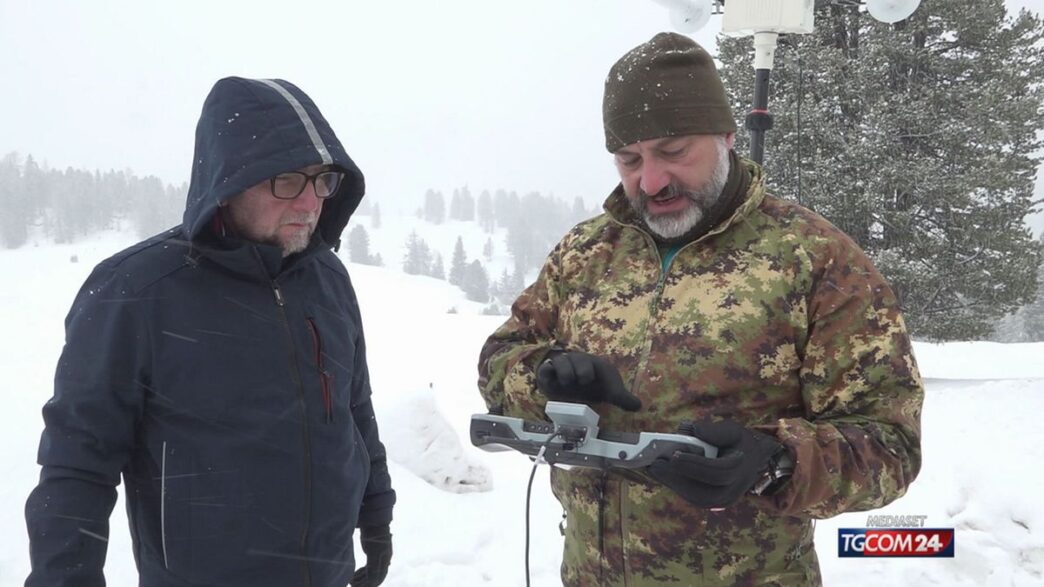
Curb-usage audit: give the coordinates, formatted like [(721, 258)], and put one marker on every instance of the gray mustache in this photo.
[(307, 219), (669, 191)]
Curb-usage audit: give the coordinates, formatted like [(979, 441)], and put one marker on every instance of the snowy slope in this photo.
[(389, 239), (397, 222), (460, 515)]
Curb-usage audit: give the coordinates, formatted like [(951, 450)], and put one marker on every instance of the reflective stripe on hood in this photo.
[(305, 120)]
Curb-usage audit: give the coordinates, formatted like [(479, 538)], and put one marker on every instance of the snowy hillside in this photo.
[(460, 515), (522, 229), (389, 239)]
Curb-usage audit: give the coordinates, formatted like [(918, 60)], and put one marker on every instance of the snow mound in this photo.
[(996, 526), (423, 441)]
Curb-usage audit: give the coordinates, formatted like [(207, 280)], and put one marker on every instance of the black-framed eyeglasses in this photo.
[(289, 185)]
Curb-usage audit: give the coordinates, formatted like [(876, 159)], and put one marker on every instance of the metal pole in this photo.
[(759, 120)]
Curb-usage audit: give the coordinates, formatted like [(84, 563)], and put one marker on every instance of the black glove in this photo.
[(744, 457), (576, 376), (377, 544)]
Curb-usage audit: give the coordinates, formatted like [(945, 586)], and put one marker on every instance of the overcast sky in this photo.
[(423, 93)]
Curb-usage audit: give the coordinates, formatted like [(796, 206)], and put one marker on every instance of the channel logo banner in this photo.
[(895, 542)]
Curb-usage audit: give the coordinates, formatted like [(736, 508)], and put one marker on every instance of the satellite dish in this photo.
[(688, 16), (891, 11)]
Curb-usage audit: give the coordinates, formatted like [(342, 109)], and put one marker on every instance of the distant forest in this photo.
[(534, 223), (70, 204), (64, 206)]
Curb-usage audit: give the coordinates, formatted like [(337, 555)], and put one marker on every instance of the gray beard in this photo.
[(295, 244), (672, 226)]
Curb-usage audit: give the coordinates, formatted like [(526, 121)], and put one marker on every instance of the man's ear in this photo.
[(730, 139)]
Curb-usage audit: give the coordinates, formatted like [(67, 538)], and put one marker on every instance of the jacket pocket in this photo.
[(325, 377), (207, 518)]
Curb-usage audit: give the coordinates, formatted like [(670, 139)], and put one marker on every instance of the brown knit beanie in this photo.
[(666, 87)]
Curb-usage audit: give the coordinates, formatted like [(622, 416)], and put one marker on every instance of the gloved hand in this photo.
[(582, 377), (377, 544), (744, 456)]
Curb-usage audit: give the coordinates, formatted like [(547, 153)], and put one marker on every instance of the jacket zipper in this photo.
[(307, 514), (660, 285), (325, 377), (643, 358)]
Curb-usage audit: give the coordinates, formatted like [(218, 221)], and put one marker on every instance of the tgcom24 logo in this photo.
[(895, 536)]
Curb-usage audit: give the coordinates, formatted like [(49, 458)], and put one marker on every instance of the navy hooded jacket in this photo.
[(226, 384)]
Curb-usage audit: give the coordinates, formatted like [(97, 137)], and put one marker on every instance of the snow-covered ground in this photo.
[(460, 520)]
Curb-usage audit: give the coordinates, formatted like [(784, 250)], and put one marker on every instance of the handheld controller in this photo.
[(573, 438)]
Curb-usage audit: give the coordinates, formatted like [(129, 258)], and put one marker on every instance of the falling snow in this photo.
[(973, 478)]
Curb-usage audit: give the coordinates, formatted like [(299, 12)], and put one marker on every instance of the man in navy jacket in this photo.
[(220, 368)]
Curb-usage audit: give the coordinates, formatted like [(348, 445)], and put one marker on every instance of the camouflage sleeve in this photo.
[(858, 446), (509, 357)]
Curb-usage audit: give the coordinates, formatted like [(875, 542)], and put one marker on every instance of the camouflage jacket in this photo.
[(775, 319)]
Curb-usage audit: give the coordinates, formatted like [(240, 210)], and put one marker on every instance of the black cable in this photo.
[(529, 493)]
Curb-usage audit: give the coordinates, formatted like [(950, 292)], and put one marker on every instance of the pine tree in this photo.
[(434, 207), (458, 263), (519, 241), (501, 289), (486, 218), (17, 211), (37, 190), (454, 208), (418, 256), (438, 271), (359, 246), (67, 189), (919, 140), (509, 286), (579, 210), (487, 249), (476, 282), (506, 206), (154, 211), (535, 225), (466, 210), (111, 192)]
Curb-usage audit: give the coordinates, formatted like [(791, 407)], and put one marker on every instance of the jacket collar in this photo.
[(254, 261)]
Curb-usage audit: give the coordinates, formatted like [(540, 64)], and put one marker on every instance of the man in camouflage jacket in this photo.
[(712, 302)]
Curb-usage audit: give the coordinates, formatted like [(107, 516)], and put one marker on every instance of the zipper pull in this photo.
[(278, 294), (324, 378)]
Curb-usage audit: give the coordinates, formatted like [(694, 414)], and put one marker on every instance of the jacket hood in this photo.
[(253, 129)]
